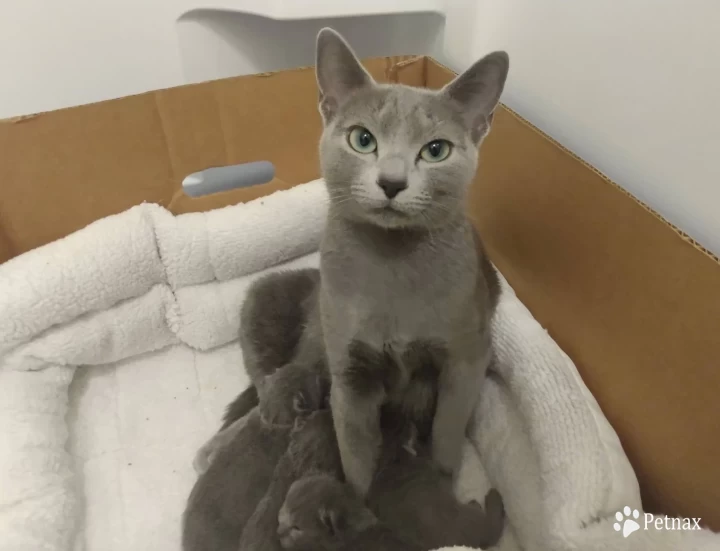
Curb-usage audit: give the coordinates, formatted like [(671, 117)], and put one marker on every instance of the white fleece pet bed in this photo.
[(118, 354)]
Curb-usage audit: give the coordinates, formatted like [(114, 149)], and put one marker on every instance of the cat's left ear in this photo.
[(339, 73), (478, 91)]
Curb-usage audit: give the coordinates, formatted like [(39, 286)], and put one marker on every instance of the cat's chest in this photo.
[(386, 299)]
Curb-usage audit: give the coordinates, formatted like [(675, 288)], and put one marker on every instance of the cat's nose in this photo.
[(392, 187)]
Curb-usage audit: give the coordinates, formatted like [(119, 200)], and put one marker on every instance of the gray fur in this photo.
[(226, 495), (397, 270), (312, 449), (411, 497), (321, 513), (275, 327), (273, 318), (294, 390), (239, 468), (417, 502)]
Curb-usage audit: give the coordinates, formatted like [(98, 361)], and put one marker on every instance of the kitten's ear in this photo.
[(299, 423), (336, 522), (263, 385), (300, 403), (331, 520), (478, 91), (339, 73)]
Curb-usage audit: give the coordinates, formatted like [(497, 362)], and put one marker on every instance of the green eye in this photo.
[(436, 151), (361, 140)]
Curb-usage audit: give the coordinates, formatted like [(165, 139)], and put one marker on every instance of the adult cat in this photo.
[(400, 261)]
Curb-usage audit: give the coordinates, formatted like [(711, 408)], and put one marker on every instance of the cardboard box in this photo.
[(632, 300)]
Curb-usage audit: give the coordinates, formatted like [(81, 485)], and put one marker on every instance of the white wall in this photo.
[(633, 87), (55, 54), (59, 53)]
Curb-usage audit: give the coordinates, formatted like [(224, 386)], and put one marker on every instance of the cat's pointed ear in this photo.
[(262, 385), (333, 521), (339, 73), (478, 91), (337, 522)]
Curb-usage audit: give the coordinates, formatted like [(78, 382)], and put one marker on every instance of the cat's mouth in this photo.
[(389, 208)]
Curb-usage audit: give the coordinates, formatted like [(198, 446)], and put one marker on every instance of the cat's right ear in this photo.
[(339, 73)]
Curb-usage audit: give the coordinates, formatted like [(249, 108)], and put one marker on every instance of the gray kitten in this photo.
[(239, 471), (312, 449), (400, 260), (274, 320), (321, 513), (413, 497), (291, 391)]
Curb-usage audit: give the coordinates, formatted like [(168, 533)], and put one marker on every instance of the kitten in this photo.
[(312, 449), (416, 500), (400, 260), (273, 317), (291, 391), (274, 320), (320, 513), (239, 472)]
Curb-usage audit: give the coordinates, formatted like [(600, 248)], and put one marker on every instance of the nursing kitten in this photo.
[(416, 500), (321, 513), (291, 391), (400, 260), (238, 472), (410, 494), (274, 321), (312, 449)]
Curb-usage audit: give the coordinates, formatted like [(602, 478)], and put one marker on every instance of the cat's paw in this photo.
[(202, 460)]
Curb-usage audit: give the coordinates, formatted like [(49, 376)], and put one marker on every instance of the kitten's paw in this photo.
[(202, 460)]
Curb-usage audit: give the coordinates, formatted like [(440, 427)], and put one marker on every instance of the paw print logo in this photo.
[(627, 521)]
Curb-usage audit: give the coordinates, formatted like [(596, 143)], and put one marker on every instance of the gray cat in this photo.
[(274, 321), (239, 471), (312, 449), (400, 261), (321, 513)]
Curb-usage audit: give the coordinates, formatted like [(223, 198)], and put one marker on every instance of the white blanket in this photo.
[(118, 353)]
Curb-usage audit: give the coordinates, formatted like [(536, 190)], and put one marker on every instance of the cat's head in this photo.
[(291, 392), (321, 512), (399, 156)]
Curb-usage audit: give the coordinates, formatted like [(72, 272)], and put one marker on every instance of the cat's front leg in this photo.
[(458, 393), (356, 394)]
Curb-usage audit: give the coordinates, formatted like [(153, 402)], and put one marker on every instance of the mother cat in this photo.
[(400, 261)]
